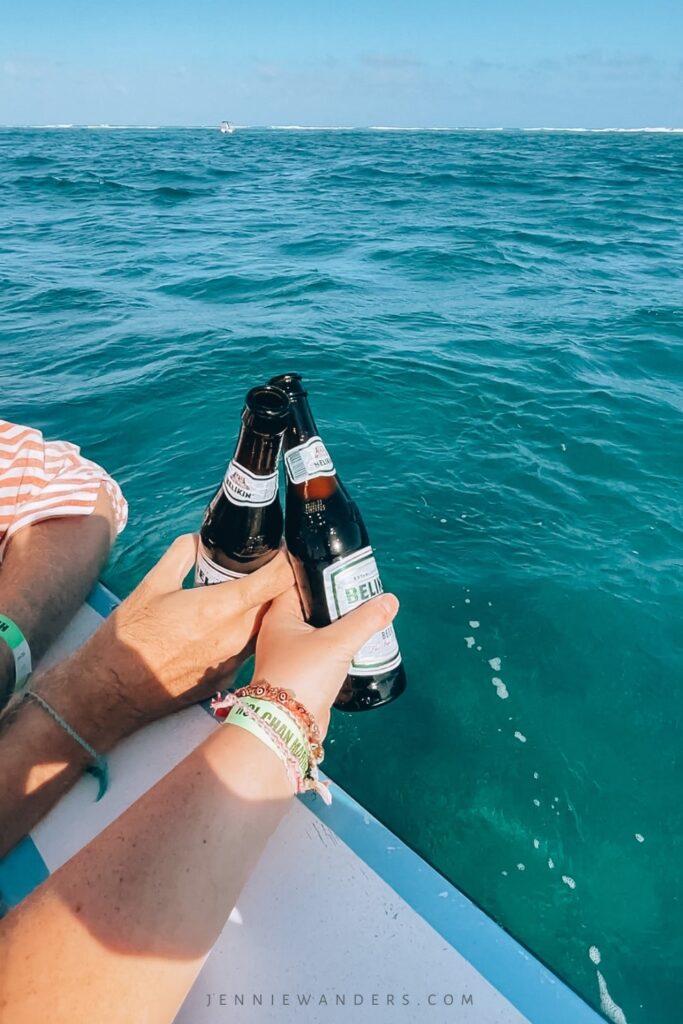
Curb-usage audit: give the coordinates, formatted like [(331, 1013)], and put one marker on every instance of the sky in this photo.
[(427, 63)]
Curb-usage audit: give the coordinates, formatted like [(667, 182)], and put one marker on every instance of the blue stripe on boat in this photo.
[(500, 959), (20, 872), (102, 600)]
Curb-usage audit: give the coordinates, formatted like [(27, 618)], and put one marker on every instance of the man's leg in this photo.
[(47, 572)]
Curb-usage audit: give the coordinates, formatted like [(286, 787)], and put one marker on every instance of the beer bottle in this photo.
[(242, 526), (333, 562)]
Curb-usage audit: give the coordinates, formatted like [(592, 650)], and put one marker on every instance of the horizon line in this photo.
[(382, 128)]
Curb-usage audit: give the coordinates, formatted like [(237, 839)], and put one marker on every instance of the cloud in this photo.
[(28, 70), (390, 61)]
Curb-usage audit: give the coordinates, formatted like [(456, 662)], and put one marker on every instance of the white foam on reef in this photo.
[(521, 737), (469, 640), (536, 844), (551, 863), (495, 664), (473, 624), (569, 881), (535, 775), (607, 1004), (312, 128), (618, 131), (127, 127), (501, 688), (99, 127)]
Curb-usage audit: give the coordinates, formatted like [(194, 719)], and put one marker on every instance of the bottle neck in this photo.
[(258, 453), (310, 472), (301, 423)]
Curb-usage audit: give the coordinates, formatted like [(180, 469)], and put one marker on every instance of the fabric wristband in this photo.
[(276, 719), (18, 644), (98, 766)]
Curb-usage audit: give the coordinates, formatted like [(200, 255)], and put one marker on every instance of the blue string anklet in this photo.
[(99, 767)]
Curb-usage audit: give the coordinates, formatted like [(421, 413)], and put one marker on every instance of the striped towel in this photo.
[(42, 479)]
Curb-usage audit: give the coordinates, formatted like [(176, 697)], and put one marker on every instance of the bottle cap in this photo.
[(292, 383), (266, 409)]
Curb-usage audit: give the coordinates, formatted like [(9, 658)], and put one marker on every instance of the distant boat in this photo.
[(226, 128)]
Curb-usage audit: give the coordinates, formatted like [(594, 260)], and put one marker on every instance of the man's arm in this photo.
[(47, 572), (162, 649)]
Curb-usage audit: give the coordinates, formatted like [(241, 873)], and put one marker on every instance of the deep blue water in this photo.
[(491, 327)]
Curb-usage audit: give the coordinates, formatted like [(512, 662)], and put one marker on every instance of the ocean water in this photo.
[(490, 324)]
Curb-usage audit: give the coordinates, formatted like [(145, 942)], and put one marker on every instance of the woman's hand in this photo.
[(314, 663), (164, 647)]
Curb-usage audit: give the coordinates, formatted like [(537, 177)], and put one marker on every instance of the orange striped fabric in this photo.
[(42, 479)]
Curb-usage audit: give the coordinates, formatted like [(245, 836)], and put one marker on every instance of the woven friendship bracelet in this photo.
[(99, 767), (251, 721), (286, 727), (304, 781), (21, 652)]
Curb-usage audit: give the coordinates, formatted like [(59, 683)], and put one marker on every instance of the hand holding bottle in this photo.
[(314, 662), (164, 647)]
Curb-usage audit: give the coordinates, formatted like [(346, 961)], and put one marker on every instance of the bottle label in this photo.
[(349, 583), (308, 460), (243, 488), (207, 571)]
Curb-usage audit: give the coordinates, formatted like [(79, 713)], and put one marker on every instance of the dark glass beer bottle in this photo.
[(242, 526), (331, 555)]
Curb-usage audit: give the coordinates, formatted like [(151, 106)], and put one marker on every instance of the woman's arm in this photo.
[(119, 933)]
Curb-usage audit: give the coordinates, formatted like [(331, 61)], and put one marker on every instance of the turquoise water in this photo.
[(491, 327)]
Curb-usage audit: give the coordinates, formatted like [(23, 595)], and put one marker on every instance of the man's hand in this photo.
[(162, 649), (166, 647)]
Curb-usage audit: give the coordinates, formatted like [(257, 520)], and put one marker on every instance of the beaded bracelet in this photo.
[(286, 700)]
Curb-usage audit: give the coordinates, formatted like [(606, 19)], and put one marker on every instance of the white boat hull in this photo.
[(340, 922)]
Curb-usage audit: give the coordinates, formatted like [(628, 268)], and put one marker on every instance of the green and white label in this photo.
[(206, 571), (244, 488), (308, 460), (349, 583)]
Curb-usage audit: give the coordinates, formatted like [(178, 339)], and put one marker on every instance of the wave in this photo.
[(243, 287)]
